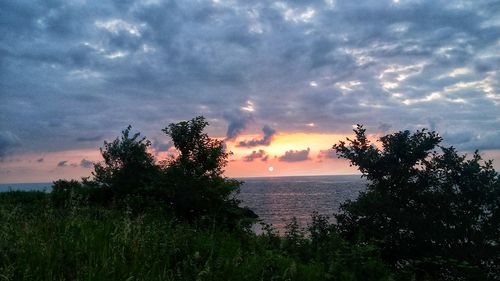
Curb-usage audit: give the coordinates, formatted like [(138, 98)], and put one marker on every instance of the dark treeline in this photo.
[(428, 214), (190, 187)]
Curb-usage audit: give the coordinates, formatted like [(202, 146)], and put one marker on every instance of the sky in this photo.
[(280, 81)]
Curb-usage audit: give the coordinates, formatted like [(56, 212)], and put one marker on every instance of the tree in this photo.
[(127, 167), (195, 180), (426, 206), (199, 155)]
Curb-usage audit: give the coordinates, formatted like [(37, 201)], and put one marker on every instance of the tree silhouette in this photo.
[(195, 178), (436, 211), (200, 156), (128, 166)]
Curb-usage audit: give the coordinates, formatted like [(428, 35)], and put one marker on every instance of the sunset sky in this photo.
[(281, 81)]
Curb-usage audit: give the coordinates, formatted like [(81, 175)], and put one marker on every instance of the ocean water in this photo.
[(47, 186), (277, 199)]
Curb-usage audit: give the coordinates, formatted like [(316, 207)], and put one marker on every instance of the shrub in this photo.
[(24, 198), (191, 185), (194, 180), (73, 193), (128, 167)]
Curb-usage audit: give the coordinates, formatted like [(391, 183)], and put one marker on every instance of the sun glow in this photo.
[(270, 161)]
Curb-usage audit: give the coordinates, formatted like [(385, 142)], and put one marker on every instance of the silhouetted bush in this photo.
[(191, 185), (436, 214), (194, 181), (23, 198), (321, 244), (295, 242), (63, 191), (73, 193), (128, 167)]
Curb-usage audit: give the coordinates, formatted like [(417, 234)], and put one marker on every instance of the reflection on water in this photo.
[(276, 200)]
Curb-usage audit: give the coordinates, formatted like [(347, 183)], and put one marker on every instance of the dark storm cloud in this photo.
[(7, 141), (384, 127), (75, 70), (237, 122), (86, 164), (266, 139), (91, 138), (295, 155), (260, 154), (470, 141)]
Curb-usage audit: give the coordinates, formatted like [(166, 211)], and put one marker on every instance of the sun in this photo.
[(270, 169)]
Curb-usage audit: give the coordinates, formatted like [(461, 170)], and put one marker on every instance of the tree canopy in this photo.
[(190, 185), (195, 178), (199, 155), (426, 206), (127, 166)]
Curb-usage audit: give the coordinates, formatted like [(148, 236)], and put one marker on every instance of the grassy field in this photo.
[(39, 242)]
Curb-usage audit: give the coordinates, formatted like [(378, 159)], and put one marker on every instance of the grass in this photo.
[(38, 242)]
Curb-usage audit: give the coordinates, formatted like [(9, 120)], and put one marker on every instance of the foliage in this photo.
[(435, 212), (27, 199), (199, 155), (295, 242), (74, 193), (191, 186), (194, 179), (63, 191), (128, 167), (320, 242), (105, 244)]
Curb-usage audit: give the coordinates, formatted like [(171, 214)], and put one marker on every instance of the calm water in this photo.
[(26, 186), (276, 200)]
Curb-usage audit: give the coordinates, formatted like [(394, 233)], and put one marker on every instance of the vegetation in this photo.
[(40, 242), (128, 167), (426, 215), (195, 179), (190, 187), (434, 213)]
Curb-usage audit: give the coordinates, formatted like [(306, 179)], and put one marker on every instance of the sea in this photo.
[(278, 199), (44, 186)]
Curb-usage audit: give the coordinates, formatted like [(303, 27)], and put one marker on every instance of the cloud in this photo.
[(384, 127), (327, 154), (471, 140), (8, 140), (91, 138), (295, 155), (86, 163), (260, 154), (40, 160), (161, 146), (65, 163), (67, 63), (238, 121), (266, 139)]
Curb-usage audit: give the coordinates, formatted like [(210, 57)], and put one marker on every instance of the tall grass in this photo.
[(38, 242)]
